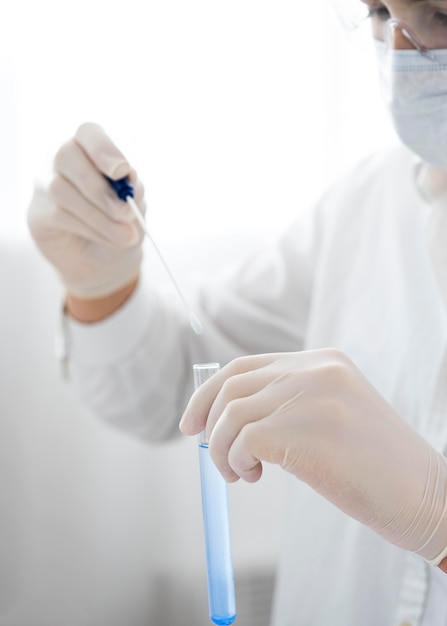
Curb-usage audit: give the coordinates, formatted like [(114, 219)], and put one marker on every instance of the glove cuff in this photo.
[(437, 560), (103, 280), (431, 517)]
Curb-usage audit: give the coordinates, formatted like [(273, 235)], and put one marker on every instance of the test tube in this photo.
[(216, 522)]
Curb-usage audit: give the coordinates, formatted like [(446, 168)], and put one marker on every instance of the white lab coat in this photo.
[(353, 273)]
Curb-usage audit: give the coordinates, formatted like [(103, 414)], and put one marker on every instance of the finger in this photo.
[(271, 399), (249, 450), (108, 158), (46, 220), (74, 213), (233, 420), (196, 413), (279, 438), (312, 364), (237, 388), (102, 151), (73, 164)]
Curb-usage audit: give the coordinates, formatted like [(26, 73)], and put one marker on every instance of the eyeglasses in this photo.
[(424, 25), (387, 34)]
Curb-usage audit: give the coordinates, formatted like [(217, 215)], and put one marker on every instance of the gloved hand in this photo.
[(80, 225), (432, 184), (314, 414)]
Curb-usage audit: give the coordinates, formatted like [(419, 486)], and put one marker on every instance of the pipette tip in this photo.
[(195, 324)]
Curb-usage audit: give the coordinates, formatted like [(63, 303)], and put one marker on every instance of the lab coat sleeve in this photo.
[(431, 183), (135, 368)]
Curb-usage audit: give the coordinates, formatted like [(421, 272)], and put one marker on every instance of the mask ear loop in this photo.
[(393, 23)]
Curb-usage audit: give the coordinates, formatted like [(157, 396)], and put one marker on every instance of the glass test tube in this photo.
[(216, 522)]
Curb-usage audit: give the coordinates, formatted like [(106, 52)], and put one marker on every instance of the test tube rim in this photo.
[(202, 372), (204, 368)]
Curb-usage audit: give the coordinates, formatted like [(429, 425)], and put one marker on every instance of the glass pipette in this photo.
[(125, 192), (216, 522)]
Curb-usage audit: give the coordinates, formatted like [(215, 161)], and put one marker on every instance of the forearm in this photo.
[(93, 310), (126, 367)]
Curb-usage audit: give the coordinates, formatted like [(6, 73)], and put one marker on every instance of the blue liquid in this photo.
[(221, 597)]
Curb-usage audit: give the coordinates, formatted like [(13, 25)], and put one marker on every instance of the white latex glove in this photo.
[(432, 184), (80, 225), (314, 414)]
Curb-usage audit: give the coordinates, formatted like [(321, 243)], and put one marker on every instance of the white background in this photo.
[(235, 113)]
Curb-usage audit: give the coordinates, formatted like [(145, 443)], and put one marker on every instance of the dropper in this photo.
[(125, 192)]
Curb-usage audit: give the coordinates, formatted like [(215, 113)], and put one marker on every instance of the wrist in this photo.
[(443, 565), (93, 310)]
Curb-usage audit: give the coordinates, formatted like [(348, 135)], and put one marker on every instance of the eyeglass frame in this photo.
[(390, 24), (393, 23)]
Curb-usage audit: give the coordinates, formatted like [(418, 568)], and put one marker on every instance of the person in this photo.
[(333, 345)]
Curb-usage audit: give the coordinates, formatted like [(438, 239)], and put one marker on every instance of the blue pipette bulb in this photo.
[(122, 187)]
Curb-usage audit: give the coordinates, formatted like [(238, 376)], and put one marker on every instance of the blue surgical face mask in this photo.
[(415, 90)]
